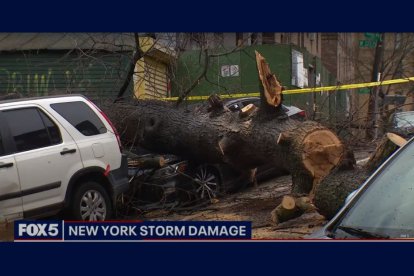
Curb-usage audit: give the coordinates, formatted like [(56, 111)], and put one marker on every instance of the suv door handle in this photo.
[(67, 151), (6, 165)]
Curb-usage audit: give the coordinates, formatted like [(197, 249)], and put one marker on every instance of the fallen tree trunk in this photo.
[(307, 150), (385, 148), (331, 193), (214, 134)]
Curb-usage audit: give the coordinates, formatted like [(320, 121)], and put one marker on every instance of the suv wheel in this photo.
[(91, 203), (207, 183)]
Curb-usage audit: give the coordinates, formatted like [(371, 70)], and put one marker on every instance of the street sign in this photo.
[(367, 44), (371, 40), (373, 36)]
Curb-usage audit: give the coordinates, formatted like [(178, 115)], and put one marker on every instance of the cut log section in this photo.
[(288, 203), (396, 139), (290, 208), (247, 110), (147, 162), (320, 151)]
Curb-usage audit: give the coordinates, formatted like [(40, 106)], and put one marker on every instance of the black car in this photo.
[(291, 111), (155, 183), (177, 181)]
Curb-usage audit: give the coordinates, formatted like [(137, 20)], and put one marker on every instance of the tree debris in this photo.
[(290, 208)]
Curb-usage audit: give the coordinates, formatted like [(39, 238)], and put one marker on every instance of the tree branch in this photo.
[(195, 83), (137, 56)]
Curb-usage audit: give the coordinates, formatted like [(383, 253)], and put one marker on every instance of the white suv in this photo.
[(58, 154)]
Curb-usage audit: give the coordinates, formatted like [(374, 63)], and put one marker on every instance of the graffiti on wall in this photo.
[(40, 84)]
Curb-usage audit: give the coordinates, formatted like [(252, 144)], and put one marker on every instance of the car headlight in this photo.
[(170, 170)]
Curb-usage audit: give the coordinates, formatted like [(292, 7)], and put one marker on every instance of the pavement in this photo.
[(255, 204), (252, 204)]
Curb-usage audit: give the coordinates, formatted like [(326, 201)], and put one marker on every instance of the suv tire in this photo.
[(91, 202)]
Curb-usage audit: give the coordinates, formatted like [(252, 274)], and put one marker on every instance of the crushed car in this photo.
[(175, 181), (165, 180)]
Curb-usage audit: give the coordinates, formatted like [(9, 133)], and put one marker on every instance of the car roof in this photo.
[(231, 101), (40, 98)]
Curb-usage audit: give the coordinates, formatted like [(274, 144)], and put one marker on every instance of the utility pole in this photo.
[(373, 110)]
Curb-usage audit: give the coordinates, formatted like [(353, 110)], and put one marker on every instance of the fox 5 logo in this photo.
[(38, 230)]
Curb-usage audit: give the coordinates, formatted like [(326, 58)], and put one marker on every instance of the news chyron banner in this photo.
[(131, 230)]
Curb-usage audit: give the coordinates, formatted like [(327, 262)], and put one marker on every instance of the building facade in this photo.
[(338, 56), (94, 64), (294, 57)]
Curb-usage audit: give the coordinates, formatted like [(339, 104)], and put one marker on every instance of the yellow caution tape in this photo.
[(224, 96), (348, 86), (305, 90)]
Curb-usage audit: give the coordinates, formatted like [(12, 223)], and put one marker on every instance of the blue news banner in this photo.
[(131, 230)]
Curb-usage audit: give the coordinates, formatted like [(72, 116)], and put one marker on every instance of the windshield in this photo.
[(386, 207), (405, 119)]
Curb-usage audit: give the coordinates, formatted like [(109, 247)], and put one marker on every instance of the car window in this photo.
[(234, 107), (52, 129), (404, 119), (31, 129), (81, 116), (386, 206)]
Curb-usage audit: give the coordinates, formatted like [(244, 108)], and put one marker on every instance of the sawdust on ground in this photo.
[(253, 204)]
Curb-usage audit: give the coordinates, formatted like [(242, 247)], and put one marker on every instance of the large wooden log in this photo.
[(290, 208), (308, 150), (214, 134), (331, 193)]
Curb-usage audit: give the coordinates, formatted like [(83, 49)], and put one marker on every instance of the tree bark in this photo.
[(384, 149), (308, 150), (331, 193), (213, 134)]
